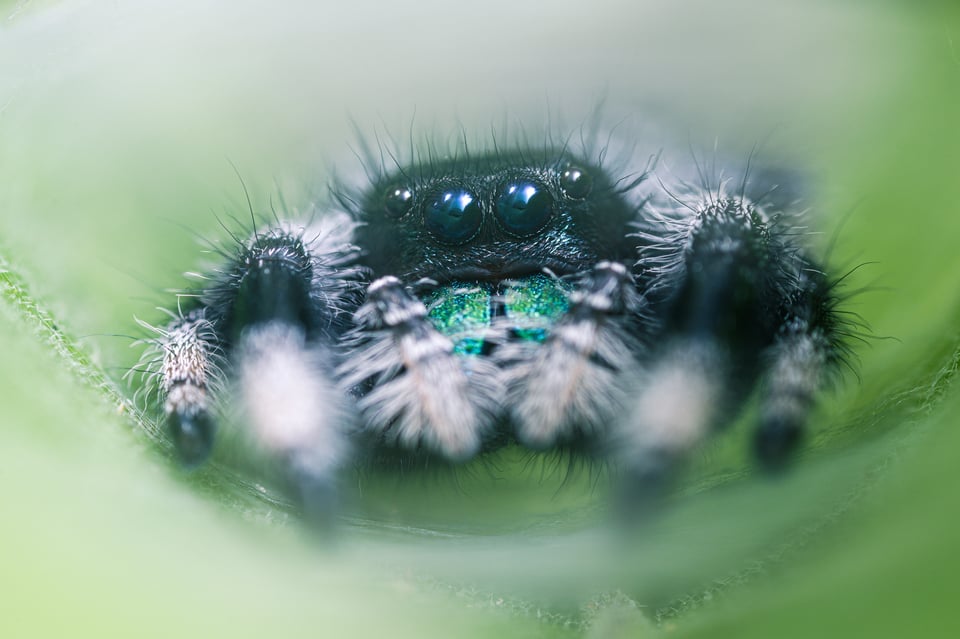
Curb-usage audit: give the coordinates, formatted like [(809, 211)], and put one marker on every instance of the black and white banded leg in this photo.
[(278, 308), (740, 305), (190, 368), (805, 353)]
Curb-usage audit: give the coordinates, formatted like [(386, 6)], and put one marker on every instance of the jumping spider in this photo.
[(461, 302)]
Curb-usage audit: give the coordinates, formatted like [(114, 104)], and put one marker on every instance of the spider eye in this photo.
[(397, 201), (454, 216), (576, 182), (524, 208)]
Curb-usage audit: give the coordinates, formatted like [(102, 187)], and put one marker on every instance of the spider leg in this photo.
[(723, 273), (418, 394), (675, 401), (806, 349), (287, 302), (572, 386), (267, 323), (188, 367)]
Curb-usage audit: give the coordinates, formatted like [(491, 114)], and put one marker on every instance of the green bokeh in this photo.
[(116, 126)]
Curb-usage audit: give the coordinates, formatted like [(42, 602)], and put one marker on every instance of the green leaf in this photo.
[(116, 123)]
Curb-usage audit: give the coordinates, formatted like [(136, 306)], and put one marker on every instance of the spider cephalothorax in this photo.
[(451, 306), (493, 216)]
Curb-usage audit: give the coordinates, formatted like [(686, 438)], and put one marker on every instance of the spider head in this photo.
[(493, 217)]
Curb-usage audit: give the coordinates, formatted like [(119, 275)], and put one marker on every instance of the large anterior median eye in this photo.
[(524, 208), (454, 216)]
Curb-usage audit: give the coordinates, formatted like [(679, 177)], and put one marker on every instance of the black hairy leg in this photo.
[(739, 302), (461, 302), (256, 347)]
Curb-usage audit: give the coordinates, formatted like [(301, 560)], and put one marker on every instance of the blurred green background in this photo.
[(118, 124)]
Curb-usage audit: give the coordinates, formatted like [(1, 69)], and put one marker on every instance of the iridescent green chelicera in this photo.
[(464, 311), (534, 304)]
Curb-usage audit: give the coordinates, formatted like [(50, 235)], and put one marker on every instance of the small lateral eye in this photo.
[(454, 216), (397, 201), (524, 208), (576, 182)]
